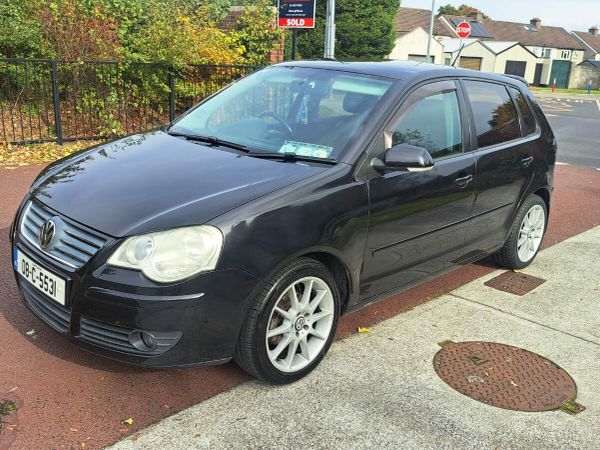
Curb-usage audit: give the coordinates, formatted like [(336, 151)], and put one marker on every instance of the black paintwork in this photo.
[(379, 231)]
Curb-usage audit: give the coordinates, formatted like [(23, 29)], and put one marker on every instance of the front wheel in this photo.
[(291, 324), (526, 234)]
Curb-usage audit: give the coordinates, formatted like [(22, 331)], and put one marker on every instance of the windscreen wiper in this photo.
[(212, 140), (292, 157)]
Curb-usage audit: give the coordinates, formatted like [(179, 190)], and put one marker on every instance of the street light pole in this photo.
[(430, 30), (330, 31)]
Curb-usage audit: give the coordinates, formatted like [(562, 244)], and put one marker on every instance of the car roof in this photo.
[(400, 70)]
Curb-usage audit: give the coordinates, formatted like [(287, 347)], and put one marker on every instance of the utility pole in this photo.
[(330, 31), (431, 19)]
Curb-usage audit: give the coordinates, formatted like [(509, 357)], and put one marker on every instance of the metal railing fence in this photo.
[(57, 101)]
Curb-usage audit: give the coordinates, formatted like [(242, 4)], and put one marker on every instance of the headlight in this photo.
[(172, 255)]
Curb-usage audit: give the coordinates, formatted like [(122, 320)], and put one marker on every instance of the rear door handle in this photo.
[(526, 161), (463, 182)]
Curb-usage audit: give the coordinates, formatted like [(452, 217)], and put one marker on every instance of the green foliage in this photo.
[(256, 33), (175, 32), (364, 30), (20, 35), (463, 10)]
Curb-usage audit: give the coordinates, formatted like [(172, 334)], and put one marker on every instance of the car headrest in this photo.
[(356, 103)]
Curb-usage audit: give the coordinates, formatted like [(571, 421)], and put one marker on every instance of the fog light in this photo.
[(149, 340), (142, 340)]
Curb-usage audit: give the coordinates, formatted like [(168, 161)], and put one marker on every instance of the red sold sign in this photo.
[(463, 30), (296, 23)]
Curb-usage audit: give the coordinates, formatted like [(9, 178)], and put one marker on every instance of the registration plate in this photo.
[(42, 279)]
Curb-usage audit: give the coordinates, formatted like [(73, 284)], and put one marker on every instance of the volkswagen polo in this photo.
[(306, 190)]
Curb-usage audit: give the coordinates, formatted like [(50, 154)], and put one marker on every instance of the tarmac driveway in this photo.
[(68, 398)]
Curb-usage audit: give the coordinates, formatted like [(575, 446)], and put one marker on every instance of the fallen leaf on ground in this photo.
[(363, 330), (30, 333), (136, 437), (127, 421)]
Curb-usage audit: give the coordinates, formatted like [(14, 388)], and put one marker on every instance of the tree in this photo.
[(20, 34), (257, 34), (364, 30), (463, 11)]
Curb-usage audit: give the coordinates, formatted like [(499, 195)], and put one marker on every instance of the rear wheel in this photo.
[(526, 235), (291, 324)]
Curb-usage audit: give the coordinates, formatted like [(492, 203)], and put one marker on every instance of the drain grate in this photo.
[(516, 283), (505, 376)]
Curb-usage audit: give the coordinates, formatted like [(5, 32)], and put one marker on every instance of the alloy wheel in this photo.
[(300, 324), (531, 232)]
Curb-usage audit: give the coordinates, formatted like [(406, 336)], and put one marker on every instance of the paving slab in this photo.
[(379, 389)]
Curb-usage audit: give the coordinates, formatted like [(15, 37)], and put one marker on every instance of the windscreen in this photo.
[(308, 112)]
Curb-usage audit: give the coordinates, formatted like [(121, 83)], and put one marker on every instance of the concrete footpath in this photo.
[(379, 389)]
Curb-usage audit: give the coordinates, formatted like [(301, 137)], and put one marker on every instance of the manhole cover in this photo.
[(504, 376), (516, 283)]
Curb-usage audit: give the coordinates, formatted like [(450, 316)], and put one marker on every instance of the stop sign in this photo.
[(463, 30)]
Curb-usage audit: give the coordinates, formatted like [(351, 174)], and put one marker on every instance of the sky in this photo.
[(573, 15)]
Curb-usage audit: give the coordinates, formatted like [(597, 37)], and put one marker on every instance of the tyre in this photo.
[(291, 324), (525, 236)]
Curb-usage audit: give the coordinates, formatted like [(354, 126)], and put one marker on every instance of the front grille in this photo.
[(115, 337), (54, 314), (71, 245)]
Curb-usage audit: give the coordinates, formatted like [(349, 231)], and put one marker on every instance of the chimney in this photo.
[(477, 15), (536, 22), (594, 30)]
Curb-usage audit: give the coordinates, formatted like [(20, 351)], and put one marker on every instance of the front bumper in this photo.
[(195, 322)]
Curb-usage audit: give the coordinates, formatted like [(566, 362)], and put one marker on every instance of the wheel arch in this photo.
[(340, 272), (544, 193)]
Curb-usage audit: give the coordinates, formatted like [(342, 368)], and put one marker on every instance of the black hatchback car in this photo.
[(301, 192)]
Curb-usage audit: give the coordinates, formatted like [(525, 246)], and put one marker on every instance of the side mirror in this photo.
[(404, 156)]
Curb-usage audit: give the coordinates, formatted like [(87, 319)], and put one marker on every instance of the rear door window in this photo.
[(527, 120), (495, 115)]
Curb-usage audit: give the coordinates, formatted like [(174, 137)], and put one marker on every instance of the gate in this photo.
[(560, 72)]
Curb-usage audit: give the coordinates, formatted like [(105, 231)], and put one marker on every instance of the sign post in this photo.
[(295, 14), (463, 31)]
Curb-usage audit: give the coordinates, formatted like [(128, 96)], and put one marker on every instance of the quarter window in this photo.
[(528, 121), (494, 112), (430, 118)]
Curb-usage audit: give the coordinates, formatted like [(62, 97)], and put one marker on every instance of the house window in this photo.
[(546, 53), (565, 54)]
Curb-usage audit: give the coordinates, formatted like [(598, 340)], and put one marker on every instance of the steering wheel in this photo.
[(279, 119)]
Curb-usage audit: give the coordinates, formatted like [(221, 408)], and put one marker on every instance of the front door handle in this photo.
[(526, 161), (463, 182)]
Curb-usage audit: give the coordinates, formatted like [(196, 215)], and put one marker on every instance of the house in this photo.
[(556, 50), (412, 35), (591, 41), (508, 57)]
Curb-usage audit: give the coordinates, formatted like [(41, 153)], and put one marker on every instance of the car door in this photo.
[(418, 220), (504, 162)]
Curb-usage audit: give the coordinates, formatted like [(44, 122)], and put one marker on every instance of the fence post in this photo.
[(171, 96), (56, 99)]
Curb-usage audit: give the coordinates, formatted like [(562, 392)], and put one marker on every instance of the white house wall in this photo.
[(517, 53), (415, 43)]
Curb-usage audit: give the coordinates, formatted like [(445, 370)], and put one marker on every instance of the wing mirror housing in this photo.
[(404, 157)]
